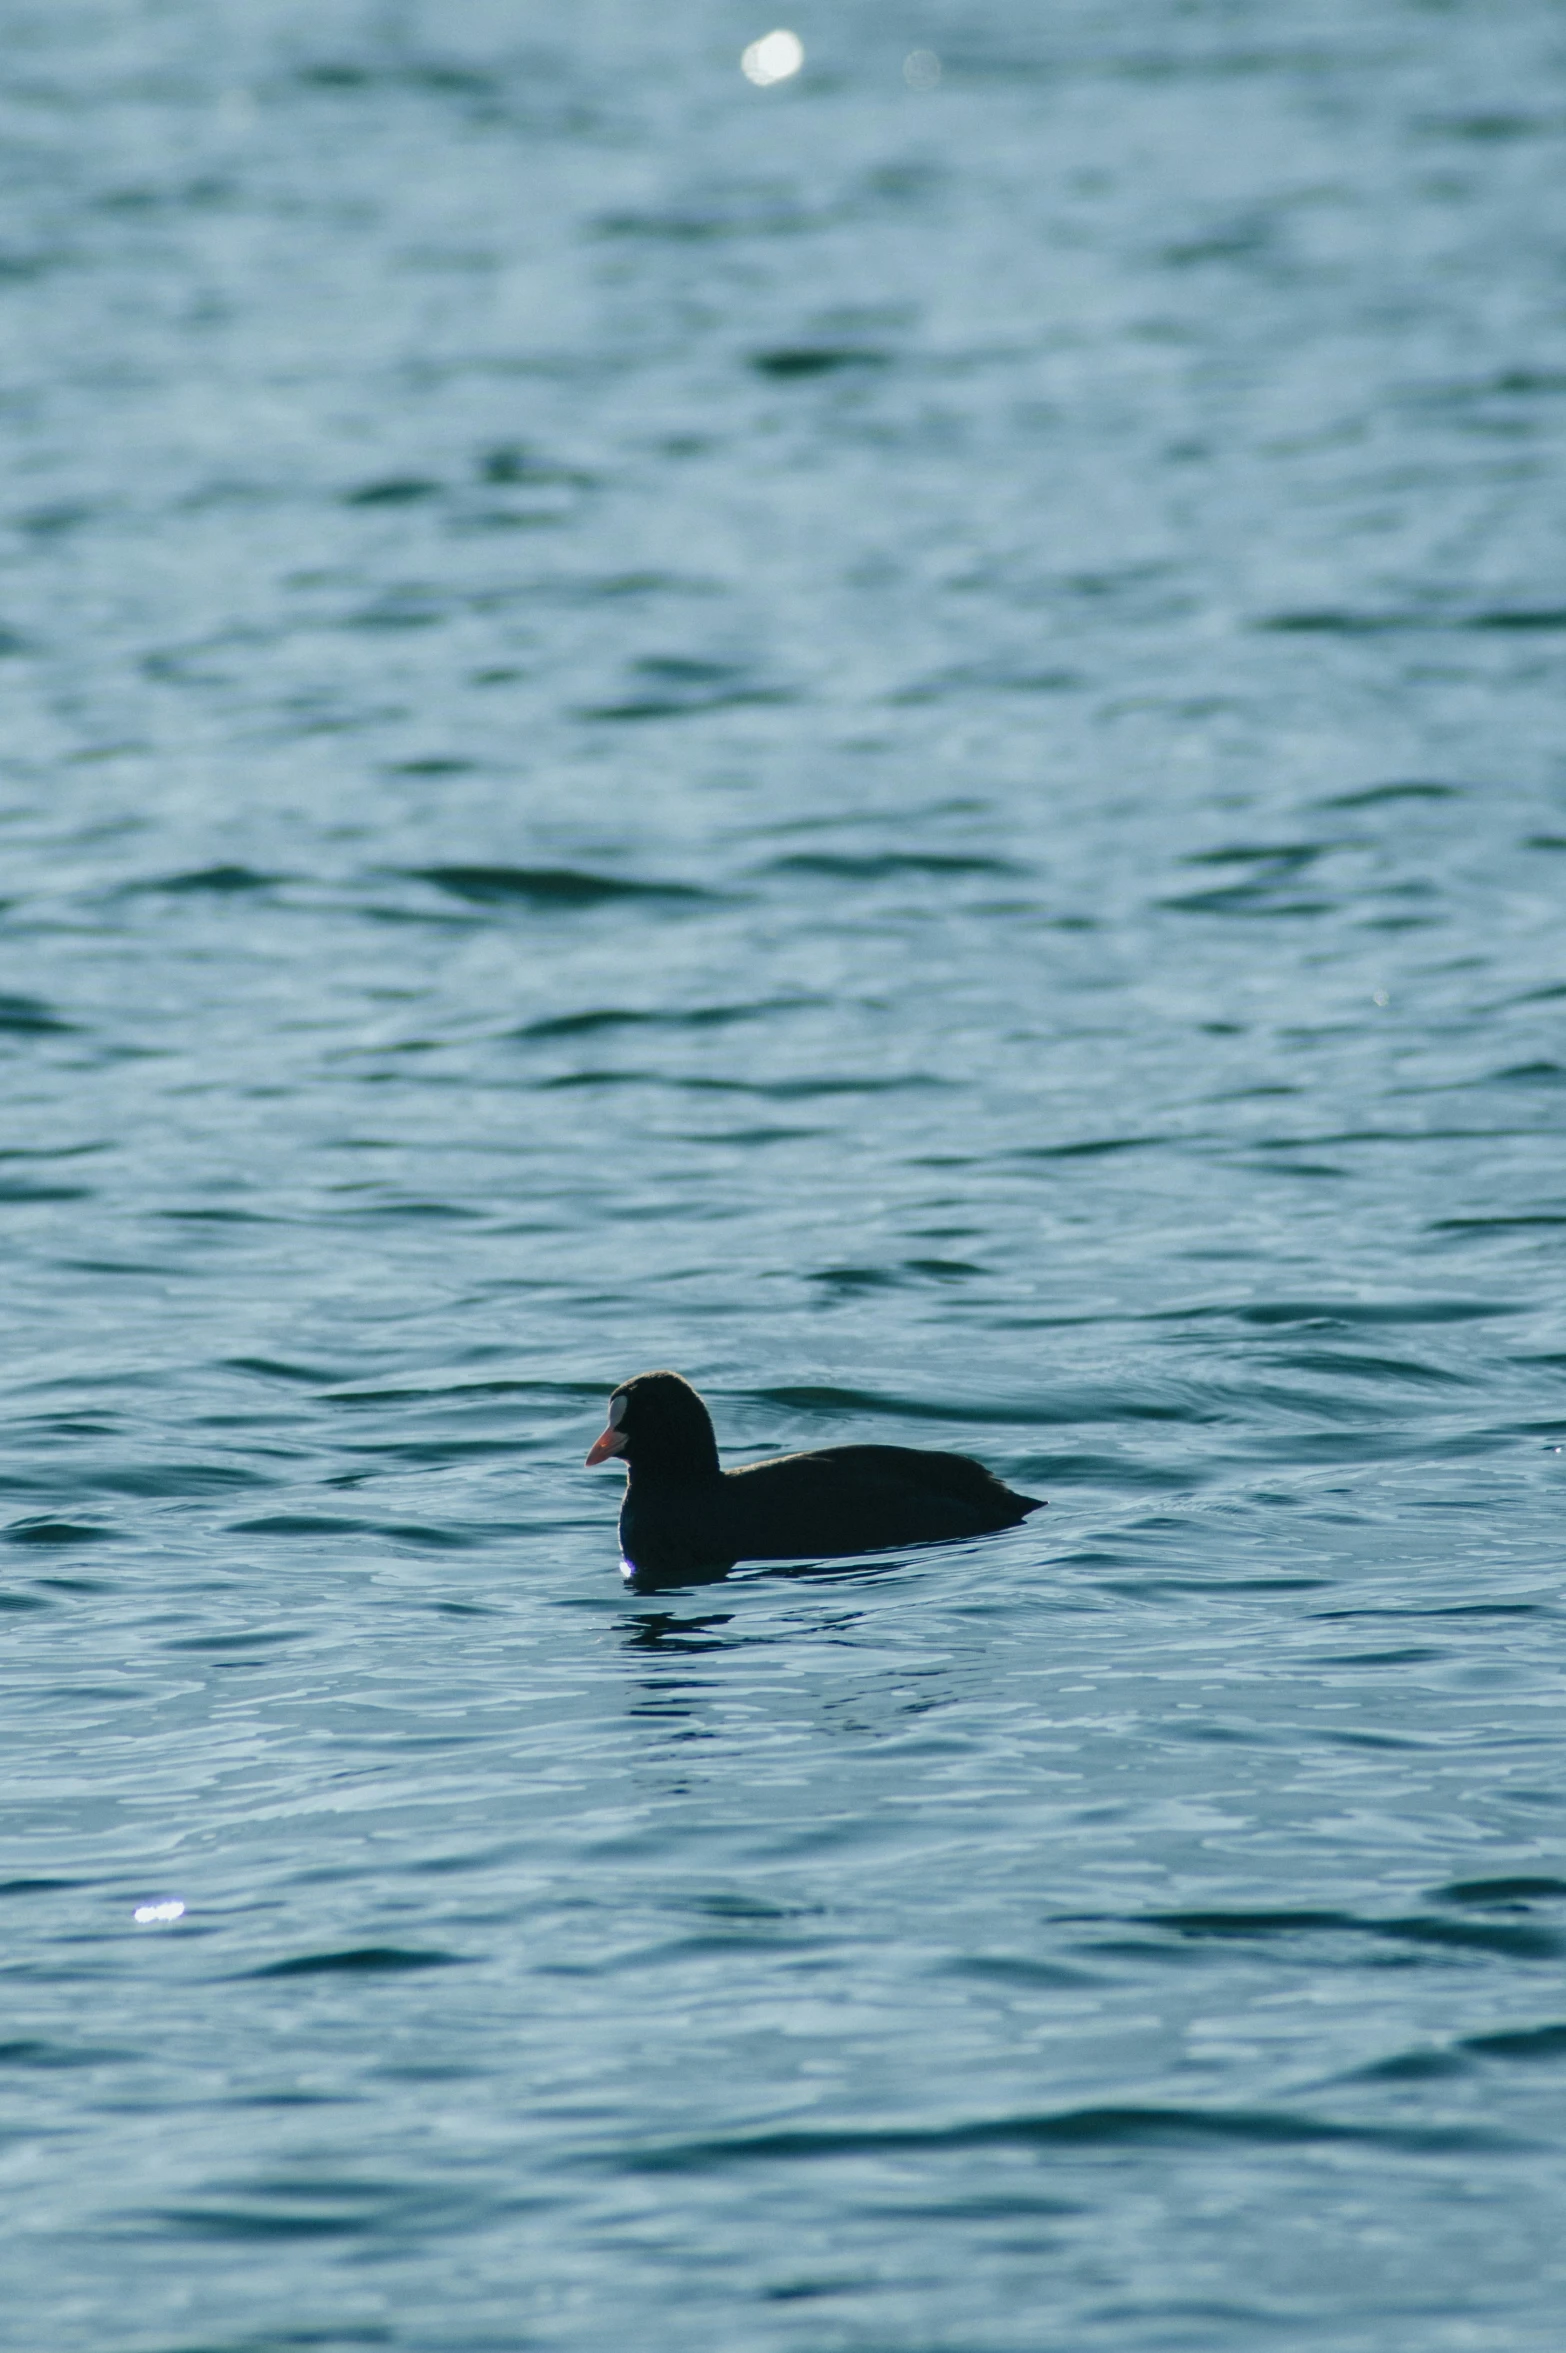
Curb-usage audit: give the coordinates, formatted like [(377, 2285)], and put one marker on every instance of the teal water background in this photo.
[(901, 746)]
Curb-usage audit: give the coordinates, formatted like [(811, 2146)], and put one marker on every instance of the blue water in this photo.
[(900, 746)]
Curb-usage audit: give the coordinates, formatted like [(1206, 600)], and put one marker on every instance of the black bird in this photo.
[(686, 1518)]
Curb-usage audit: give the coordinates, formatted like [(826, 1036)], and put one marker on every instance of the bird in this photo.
[(685, 1519)]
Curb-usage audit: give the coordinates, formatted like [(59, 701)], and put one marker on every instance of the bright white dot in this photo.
[(158, 1915), (773, 58), (1378, 997), (921, 69)]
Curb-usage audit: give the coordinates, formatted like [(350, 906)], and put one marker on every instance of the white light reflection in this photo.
[(159, 1915), (772, 59), (921, 69)]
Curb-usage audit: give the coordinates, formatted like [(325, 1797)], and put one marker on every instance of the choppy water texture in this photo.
[(901, 746)]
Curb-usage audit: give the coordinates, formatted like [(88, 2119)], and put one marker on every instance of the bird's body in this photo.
[(685, 1517)]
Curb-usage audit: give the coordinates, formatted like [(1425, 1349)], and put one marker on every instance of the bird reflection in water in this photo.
[(824, 1571), (659, 1630)]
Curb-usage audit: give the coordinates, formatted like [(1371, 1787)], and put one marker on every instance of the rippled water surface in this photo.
[(901, 745)]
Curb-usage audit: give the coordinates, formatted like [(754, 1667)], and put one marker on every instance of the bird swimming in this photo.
[(685, 1518)]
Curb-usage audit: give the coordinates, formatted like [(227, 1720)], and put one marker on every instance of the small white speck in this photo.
[(921, 69), (159, 1915), (1378, 997), (773, 58)]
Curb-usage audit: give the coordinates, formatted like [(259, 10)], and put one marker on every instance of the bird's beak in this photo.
[(612, 1442)]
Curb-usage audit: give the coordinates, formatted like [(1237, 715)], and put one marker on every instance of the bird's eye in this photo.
[(617, 1410)]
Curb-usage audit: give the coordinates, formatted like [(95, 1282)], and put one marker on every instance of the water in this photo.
[(900, 746)]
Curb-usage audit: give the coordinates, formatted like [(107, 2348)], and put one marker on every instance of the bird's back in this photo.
[(841, 1499)]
